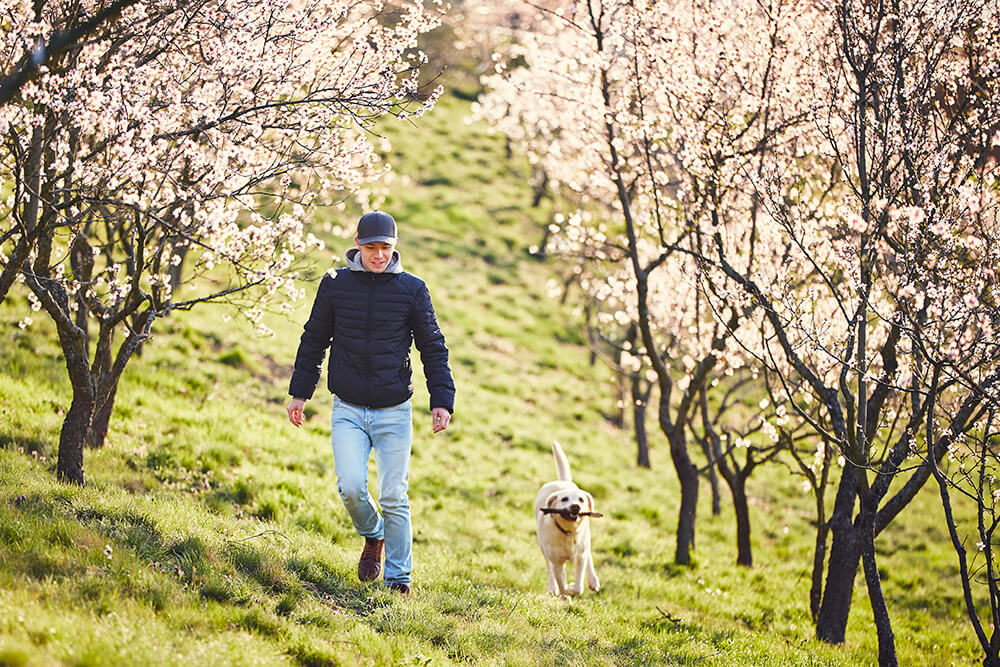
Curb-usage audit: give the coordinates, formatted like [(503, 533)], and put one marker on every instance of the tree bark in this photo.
[(687, 474), (845, 556), (616, 415), (744, 551), (883, 626), (106, 385), (14, 263), (819, 560), (77, 422), (176, 271), (28, 188), (738, 490), (639, 400), (713, 479), (101, 421), (108, 369)]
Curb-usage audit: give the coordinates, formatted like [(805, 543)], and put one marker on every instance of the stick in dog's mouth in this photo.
[(568, 516)]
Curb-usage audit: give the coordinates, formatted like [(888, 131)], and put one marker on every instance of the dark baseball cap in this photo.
[(376, 227)]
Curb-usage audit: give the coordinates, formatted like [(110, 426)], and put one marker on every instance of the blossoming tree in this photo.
[(22, 66), (862, 242), (896, 328), (645, 116), (172, 159)]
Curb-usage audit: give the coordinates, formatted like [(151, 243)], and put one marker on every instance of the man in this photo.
[(369, 314)]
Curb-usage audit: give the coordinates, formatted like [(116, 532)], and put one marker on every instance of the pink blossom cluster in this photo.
[(206, 132), (775, 179)]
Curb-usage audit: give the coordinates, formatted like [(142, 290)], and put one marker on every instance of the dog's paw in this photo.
[(574, 589), (595, 585)]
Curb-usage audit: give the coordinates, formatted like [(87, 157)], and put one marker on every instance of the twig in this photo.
[(670, 617), (266, 532)]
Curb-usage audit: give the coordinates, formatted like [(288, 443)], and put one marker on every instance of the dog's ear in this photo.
[(590, 506)]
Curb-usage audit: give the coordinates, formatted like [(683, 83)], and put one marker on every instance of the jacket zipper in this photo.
[(368, 339)]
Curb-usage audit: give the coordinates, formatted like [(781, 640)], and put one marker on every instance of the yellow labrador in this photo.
[(562, 518)]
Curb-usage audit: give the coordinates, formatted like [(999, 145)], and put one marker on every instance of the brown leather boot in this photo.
[(370, 565), (402, 589)]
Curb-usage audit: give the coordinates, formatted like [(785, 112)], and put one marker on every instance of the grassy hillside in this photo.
[(210, 531)]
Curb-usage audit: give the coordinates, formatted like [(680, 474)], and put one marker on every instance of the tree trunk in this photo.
[(107, 371), (639, 400), (738, 489), (541, 188), (744, 552), (14, 263), (819, 559), (77, 422), (883, 626), (713, 479), (98, 432), (106, 387), (845, 556), (687, 474), (176, 270), (619, 399), (30, 212)]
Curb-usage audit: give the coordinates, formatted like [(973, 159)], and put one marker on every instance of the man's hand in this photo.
[(295, 407), (440, 419)]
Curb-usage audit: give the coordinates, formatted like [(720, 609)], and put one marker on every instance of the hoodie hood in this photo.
[(353, 259)]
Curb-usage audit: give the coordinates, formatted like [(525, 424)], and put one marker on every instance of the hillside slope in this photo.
[(210, 531)]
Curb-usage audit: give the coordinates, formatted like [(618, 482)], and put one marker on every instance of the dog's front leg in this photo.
[(559, 574), (592, 580), (577, 586), (554, 587)]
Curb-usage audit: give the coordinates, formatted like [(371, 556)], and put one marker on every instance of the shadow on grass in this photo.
[(558, 650), (221, 573), (333, 589), (131, 529), (212, 572)]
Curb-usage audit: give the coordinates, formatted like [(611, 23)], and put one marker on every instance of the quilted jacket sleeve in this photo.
[(317, 335), (433, 352)]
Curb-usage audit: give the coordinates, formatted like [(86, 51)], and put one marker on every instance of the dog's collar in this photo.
[(555, 520)]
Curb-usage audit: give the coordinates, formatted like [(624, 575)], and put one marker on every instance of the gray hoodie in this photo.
[(353, 259)]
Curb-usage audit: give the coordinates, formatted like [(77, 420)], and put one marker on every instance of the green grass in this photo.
[(210, 531)]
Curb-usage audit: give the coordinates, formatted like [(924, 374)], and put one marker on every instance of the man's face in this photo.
[(376, 256)]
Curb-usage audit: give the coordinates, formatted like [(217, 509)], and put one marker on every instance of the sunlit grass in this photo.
[(210, 530)]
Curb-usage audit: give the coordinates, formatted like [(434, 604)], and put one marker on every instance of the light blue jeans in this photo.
[(357, 431)]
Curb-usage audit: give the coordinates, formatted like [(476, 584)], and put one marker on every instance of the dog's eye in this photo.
[(564, 499)]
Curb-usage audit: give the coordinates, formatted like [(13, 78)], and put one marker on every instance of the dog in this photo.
[(562, 519)]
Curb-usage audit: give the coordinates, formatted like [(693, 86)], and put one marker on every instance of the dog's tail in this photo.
[(562, 463)]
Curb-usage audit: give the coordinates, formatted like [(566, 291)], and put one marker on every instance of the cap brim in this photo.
[(377, 239)]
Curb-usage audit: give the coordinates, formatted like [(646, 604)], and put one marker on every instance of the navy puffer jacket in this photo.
[(369, 321)]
